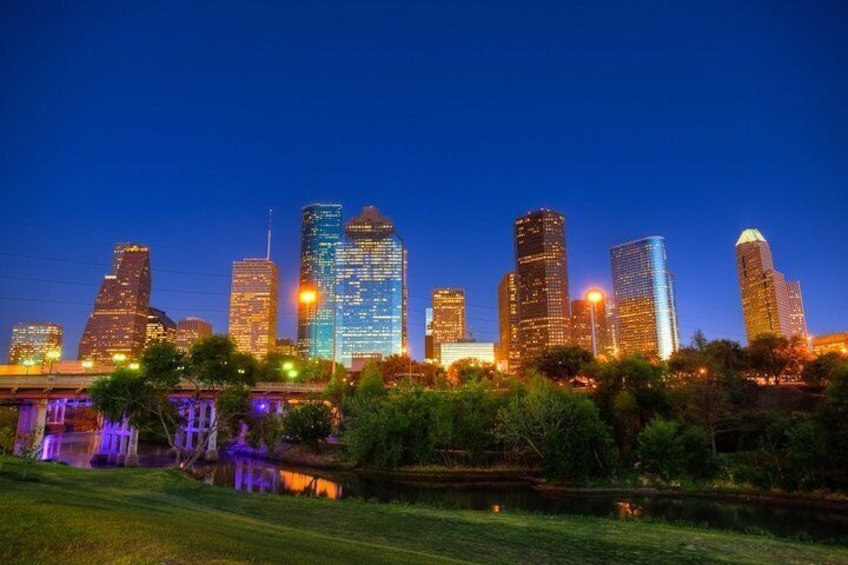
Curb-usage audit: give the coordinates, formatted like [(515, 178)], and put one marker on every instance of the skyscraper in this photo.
[(190, 331), (321, 231), (542, 282), (508, 349), (160, 328), (429, 350), (797, 318), (765, 297), (371, 291), (644, 298), (253, 306), (118, 323), (448, 324), (32, 341)]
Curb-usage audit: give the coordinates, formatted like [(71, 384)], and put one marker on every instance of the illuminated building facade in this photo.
[(831, 343), (481, 351), (797, 319), (32, 341), (644, 298), (429, 350), (544, 318), (581, 327), (253, 306), (765, 296), (448, 324), (509, 351), (371, 290), (118, 323), (286, 347), (160, 328), (321, 232), (190, 331)]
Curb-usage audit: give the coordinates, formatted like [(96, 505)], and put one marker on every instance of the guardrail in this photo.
[(53, 382)]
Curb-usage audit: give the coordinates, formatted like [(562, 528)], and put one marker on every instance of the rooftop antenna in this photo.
[(268, 250)]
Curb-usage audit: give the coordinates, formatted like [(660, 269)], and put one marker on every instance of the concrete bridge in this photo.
[(43, 401)]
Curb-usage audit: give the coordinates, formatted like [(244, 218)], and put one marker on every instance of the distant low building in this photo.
[(160, 328), (32, 341), (190, 331), (453, 352), (831, 343)]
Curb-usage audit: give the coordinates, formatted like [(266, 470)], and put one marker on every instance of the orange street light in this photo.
[(308, 296), (594, 296)]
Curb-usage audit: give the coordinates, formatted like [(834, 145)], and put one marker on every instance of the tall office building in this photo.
[(581, 327), (644, 298), (118, 323), (321, 231), (32, 341), (190, 331), (509, 351), (371, 290), (797, 318), (429, 350), (160, 328), (542, 282), (765, 297), (448, 324), (253, 306)]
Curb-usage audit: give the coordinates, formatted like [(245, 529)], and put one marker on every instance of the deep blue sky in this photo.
[(179, 125)]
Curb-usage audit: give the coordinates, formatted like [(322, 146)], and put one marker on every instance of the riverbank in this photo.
[(154, 515)]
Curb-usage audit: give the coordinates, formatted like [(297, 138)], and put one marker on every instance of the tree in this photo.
[(144, 396), (469, 370), (562, 364), (559, 427), (309, 424), (776, 358), (7, 443), (661, 449), (371, 383), (819, 371)]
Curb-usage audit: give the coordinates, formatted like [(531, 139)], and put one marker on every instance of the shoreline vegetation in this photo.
[(68, 515), (438, 476)]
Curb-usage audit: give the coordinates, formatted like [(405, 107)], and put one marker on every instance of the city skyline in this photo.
[(622, 124)]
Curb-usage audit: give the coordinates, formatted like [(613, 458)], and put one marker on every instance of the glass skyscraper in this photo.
[(644, 298), (371, 295), (321, 232)]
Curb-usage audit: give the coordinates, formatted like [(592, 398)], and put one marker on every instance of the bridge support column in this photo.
[(208, 409), (118, 444), (32, 418), (56, 412)]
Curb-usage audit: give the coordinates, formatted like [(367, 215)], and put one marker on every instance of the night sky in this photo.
[(179, 126)]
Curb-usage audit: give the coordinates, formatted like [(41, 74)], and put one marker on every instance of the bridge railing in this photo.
[(52, 382)]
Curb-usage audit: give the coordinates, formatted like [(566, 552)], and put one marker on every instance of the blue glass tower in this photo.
[(371, 295), (644, 298), (321, 233)]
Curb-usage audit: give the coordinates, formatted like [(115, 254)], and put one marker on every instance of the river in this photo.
[(258, 475)]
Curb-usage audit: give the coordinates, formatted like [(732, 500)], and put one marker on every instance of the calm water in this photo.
[(255, 475)]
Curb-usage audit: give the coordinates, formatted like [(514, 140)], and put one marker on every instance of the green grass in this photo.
[(67, 515)]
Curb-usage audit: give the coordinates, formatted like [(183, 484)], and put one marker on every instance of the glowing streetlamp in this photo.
[(87, 365), (28, 363), (53, 355), (119, 358), (134, 366), (309, 298), (594, 296)]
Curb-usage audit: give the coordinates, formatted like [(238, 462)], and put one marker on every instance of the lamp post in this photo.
[(87, 365), (53, 355), (119, 358), (594, 296), (308, 297), (28, 363)]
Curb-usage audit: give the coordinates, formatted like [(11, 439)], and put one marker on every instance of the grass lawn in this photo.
[(67, 515)]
